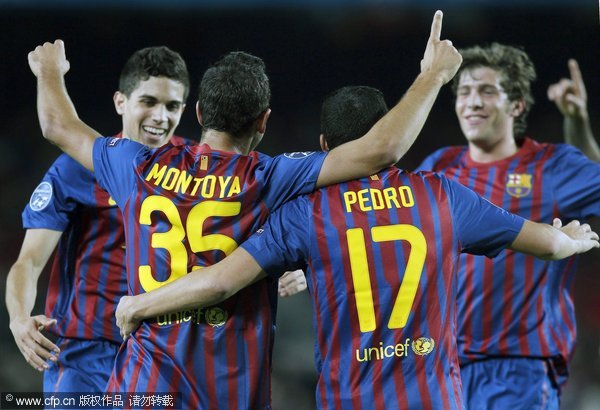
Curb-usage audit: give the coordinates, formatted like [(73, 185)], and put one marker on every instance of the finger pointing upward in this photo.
[(436, 26), (578, 85)]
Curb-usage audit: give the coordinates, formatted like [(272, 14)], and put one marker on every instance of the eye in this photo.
[(173, 106)]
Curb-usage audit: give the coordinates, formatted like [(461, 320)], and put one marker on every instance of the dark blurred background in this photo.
[(310, 47)]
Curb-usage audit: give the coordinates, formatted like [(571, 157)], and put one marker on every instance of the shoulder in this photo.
[(443, 157)]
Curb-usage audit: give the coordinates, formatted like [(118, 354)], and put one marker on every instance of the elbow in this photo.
[(50, 127)]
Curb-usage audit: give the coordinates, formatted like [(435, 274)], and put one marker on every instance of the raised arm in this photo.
[(21, 290), (555, 242), (57, 115), (570, 96), (203, 287), (392, 136)]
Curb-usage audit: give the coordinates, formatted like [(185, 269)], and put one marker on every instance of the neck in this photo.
[(224, 141), (485, 153)]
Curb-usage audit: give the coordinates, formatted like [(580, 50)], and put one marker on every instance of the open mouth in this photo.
[(158, 132)]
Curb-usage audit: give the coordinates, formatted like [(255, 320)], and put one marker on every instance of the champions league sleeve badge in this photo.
[(298, 155), (41, 196)]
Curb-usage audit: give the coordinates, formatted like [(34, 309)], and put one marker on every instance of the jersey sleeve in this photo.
[(482, 228), (65, 185), (114, 165), (289, 175), (576, 183), (282, 244)]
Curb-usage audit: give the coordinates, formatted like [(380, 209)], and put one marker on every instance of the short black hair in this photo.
[(153, 62), (233, 93), (515, 68), (349, 113)]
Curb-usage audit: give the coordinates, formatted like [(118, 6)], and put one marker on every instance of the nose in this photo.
[(159, 114), (474, 99)]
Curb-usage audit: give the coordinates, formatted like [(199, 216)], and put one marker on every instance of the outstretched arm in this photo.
[(58, 117), (21, 289), (555, 242), (203, 287), (392, 136), (570, 96)]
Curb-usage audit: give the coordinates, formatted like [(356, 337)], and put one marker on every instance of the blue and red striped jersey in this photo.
[(380, 256), (518, 305), (189, 207), (87, 277)]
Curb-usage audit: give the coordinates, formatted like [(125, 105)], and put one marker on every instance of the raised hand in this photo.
[(569, 94), (292, 282), (34, 346), (49, 58), (440, 55)]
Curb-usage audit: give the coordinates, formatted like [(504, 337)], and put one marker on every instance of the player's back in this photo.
[(382, 278), (189, 207), (380, 255)]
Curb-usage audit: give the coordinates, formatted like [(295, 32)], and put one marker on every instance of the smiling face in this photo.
[(485, 114), (152, 111)]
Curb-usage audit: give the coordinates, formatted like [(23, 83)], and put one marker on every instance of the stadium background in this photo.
[(310, 47)]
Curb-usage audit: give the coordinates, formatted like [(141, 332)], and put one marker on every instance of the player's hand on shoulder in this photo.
[(292, 282), (569, 94), (49, 58), (124, 315), (34, 346), (582, 233), (441, 58)]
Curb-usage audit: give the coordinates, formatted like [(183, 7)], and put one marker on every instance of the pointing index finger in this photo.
[(577, 79), (436, 26)]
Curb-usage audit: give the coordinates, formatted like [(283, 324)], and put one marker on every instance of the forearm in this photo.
[(187, 292), (578, 132), (21, 290), (59, 121), (394, 134)]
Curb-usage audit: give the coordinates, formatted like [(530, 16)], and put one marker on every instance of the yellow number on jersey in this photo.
[(362, 280), (172, 240)]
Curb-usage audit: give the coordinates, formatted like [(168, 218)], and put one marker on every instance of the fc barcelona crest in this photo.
[(518, 185)]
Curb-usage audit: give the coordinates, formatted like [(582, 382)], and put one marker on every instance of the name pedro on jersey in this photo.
[(369, 199), (179, 181)]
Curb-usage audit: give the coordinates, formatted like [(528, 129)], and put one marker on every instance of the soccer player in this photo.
[(516, 319), (69, 209), (186, 207), (380, 255)]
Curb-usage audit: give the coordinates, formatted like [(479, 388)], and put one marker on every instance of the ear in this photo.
[(261, 121), (198, 113), (119, 99), (517, 108), (323, 143)]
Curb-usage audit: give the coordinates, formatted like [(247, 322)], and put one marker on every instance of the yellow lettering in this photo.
[(208, 187), (223, 181), (235, 187), (349, 199), (157, 172), (406, 196), (390, 196), (197, 181), (183, 182), (377, 199), (362, 200), (170, 179)]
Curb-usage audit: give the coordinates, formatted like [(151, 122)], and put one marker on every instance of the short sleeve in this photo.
[(65, 185), (576, 183), (282, 244), (114, 165), (289, 175), (482, 227)]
